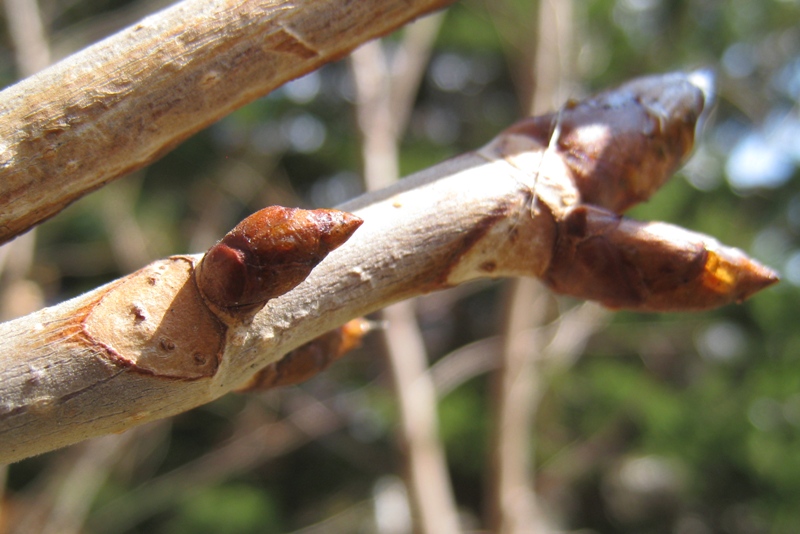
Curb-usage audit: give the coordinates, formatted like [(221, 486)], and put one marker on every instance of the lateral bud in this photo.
[(648, 266), (268, 254), (310, 359)]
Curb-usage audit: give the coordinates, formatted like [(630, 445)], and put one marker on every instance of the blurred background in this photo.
[(549, 415)]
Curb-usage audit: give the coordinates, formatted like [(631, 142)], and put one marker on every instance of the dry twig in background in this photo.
[(385, 92), (519, 383)]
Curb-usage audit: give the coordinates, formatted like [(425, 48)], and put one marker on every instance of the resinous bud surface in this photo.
[(268, 254), (648, 266)]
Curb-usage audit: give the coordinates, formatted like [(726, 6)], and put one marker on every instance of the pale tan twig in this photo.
[(19, 296), (517, 387), (554, 63), (32, 54), (518, 383), (385, 91), (31, 49)]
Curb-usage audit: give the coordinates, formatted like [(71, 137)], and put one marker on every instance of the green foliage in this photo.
[(463, 419), (225, 509)]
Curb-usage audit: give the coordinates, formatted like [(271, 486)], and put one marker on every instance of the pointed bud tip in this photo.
[(705, 80), (731, 273), (336, 226), (728, 276)]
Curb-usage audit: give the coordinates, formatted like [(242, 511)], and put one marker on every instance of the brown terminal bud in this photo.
[(648, 266), (625, 143), (268, 254)]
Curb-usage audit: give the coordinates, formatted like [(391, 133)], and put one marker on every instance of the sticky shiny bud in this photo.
[(623, 144), (646, 266), (268, 254)]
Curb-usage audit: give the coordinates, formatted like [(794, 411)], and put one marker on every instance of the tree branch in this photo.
[(127, 100), (148, 346)]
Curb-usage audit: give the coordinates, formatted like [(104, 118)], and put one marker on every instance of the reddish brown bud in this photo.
[(312, 358), (268, 254), (623, 144), (648, 266)]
